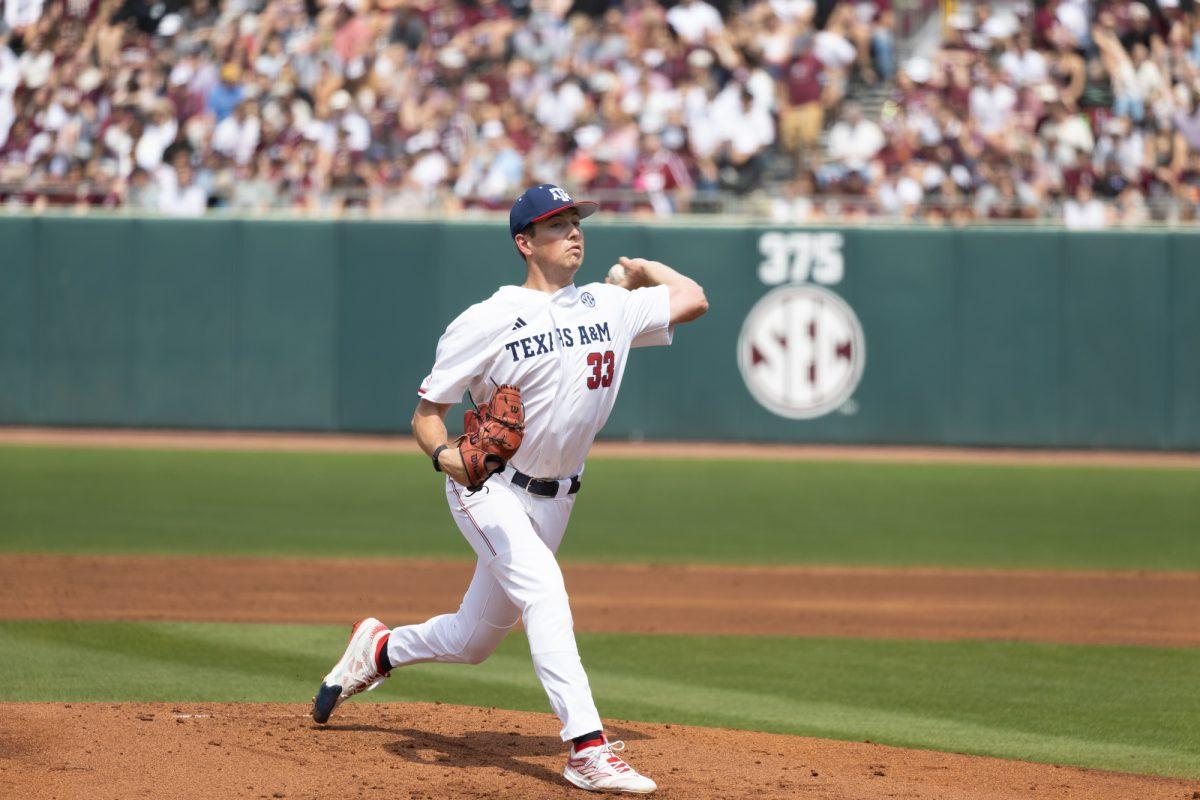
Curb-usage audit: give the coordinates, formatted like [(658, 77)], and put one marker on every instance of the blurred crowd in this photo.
[(407, 105), (1082, 111)]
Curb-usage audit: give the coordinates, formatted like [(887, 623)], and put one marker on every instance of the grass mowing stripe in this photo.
[(1123, 708), (363, 504)]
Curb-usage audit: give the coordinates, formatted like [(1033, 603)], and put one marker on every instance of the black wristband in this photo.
[(437, 451)]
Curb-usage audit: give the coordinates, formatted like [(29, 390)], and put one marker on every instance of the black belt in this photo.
[(541, 487)]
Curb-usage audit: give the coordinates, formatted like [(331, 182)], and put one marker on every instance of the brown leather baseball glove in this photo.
[(492, 434)]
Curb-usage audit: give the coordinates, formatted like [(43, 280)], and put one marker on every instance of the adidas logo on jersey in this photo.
[(520, 324)]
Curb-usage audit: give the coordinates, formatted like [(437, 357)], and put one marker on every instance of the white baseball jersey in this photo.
[(565, 351)]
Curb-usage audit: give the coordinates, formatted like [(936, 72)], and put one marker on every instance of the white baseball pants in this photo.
[(515, 534)]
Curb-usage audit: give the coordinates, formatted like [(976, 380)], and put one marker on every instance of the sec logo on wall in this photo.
[(801, 350)]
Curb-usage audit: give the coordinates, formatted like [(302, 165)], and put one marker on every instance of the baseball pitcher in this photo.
[(543, 361)]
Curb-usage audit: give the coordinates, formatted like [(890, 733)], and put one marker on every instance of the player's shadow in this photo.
[(501, 749)]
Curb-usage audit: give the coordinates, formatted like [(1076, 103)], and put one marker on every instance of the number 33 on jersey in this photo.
[(566, 352)]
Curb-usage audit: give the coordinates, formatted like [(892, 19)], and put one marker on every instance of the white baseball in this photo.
[(616, 273)]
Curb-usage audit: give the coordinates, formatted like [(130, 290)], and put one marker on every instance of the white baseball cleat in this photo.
[(600, 769), (356, 672)]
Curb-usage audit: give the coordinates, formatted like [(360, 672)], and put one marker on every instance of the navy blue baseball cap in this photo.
[(544, 201)]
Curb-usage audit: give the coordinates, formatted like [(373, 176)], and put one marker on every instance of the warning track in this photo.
[(321, 442)]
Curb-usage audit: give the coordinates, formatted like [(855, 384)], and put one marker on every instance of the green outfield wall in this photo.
[(982, 337)]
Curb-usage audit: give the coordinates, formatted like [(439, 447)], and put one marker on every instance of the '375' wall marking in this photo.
[(794, 257)]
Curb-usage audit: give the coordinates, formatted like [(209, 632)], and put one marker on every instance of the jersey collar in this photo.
[(566, 296)]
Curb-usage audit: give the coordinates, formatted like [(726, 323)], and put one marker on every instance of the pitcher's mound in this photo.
[(163, 750)]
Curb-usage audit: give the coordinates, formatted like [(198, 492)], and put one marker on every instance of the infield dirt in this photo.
[(1145, 608), (417, 750)]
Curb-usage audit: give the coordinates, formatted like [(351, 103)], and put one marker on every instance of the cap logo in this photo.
[(559, 194)]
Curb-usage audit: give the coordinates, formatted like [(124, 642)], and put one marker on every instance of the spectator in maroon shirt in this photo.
[(1044, 23), (664, 175), (801, 105), (1079, 172)]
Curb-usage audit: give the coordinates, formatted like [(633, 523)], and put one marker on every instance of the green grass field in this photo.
[(1123, 708), (79, 500)]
